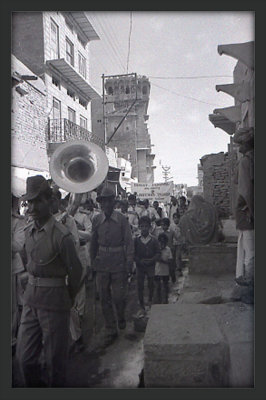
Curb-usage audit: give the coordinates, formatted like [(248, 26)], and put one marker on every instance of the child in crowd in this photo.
[(165, 224), (147, 252), (177, 242), (163, 269)]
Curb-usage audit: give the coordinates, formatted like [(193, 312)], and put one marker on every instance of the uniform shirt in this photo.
[(162, 267), (70, 224), (18, 240), (111, 232), (51, 253)]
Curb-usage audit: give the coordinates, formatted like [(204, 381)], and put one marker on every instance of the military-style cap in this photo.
[(34, 186), (105, 193)]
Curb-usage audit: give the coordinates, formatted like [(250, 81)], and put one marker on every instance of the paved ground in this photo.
[(119, 365)]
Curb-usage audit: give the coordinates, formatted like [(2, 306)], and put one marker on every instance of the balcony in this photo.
[(63, 130)]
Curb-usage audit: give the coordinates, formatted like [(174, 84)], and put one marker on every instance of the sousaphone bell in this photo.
[(78, 166)]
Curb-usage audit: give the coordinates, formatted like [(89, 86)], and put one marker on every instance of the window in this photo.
[(54, 40), (56, 109), (69, 25), (56, 82), (69, 52), (83, 103), (71, 115), (81, 42), (82, 65), (71, 94), (83, 122)]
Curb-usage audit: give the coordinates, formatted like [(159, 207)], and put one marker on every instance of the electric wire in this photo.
[(113, 36), (110, 43), (106, 48), (187, 97), (190, 77)]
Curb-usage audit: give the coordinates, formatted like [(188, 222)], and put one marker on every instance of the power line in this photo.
[(104, 43), (129, 37), (113, 36), (190, 77), (187, 97), (107, 38)]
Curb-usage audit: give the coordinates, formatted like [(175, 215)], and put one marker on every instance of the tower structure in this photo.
[(132, 139)]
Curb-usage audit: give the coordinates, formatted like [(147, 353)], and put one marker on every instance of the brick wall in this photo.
[(217, 181), (28, 124)]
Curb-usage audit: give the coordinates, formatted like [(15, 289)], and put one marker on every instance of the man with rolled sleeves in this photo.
[(112, 255), (54, 280)]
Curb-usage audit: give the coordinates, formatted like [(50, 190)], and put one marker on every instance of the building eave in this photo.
[(84, 24), (243, 52), (64, 69), (241, 92), (219, 121)]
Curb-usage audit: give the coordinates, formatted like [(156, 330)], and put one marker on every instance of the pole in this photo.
[(104, 127)]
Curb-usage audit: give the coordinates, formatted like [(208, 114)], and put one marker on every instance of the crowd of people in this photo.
[(60, 243)]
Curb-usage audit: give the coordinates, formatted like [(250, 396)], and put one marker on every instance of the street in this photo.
[(119, 365)]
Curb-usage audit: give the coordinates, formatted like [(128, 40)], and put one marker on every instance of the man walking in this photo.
[(112, 255), (54, 279)]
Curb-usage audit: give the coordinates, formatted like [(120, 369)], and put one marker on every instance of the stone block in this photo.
[(186, 350), (236, 321), (214, 259)]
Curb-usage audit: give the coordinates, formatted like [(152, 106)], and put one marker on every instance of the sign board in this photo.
[(160, 192)]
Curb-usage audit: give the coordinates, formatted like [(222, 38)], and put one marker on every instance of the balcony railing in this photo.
[(63, 130)]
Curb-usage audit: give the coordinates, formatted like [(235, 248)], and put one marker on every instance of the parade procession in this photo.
[(127, 271)]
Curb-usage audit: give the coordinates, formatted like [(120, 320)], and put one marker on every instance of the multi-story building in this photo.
[(54, 45), (132, 139), (241, 114), (28, 125)]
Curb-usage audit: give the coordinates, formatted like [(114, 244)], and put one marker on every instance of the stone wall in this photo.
[(28, 122), (217, 181)]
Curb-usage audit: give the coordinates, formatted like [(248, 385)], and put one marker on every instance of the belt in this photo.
[(46, 282), (112, 249)]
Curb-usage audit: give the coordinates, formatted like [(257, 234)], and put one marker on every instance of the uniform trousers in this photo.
[(112, 288), (48, 330), (245, 255)]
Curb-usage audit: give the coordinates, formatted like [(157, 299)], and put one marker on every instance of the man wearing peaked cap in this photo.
[(105, 193), (112, 257), (51, 258), (244, 210)]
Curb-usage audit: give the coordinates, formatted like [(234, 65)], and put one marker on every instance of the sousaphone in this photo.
[(78, 166)]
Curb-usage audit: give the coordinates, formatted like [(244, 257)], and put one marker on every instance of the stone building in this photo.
[(28, 125), (132, 138), (229, 119), (54, 45)]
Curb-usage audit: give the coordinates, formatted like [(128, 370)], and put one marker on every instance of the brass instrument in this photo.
[(78, 166)]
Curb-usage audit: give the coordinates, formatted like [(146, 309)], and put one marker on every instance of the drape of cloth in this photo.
[(199, 225), (245, 180), (245, 255)]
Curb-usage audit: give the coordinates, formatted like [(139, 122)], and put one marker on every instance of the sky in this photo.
[(170, 45)]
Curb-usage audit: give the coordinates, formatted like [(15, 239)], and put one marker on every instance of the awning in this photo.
[(231, 113), (243, 52), (66, 71), (219, 121), (82, 21), (241, 92)]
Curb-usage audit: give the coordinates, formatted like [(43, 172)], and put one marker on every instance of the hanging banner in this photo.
[(160, 192)]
